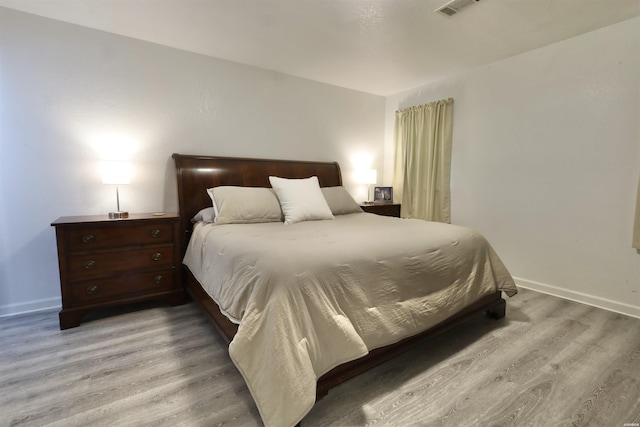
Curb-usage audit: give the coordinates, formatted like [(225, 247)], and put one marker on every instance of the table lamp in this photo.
[(117, 173), (369, 177)]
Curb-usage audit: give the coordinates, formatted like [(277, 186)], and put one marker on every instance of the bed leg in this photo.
[(498, 309)]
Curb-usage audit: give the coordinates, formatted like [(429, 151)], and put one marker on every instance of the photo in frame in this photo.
[(383, 195)]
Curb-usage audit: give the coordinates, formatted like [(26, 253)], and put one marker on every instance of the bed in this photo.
[(323, 312)]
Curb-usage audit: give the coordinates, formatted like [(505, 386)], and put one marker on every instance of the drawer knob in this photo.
[(156, 256), (89, 264), (92, 289), (88, 238), (158, 279), (155, 233)]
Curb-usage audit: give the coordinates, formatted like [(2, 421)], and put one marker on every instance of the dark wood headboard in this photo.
[(197, 173)]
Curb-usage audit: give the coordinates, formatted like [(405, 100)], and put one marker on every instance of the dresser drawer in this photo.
[(104, 263), (96, 237), (88, 292)]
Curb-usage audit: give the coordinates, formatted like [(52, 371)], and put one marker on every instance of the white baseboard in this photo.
[(606, 304), (31, 307)]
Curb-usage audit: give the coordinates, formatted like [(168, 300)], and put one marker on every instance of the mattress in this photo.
[(313, 295)]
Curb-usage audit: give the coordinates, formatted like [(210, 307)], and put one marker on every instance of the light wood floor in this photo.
[(550, 362)]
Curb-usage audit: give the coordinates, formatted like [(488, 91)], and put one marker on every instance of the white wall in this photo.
[(546, 157), (62, 85)]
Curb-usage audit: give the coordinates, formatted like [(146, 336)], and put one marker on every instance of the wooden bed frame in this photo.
[(197, 173)]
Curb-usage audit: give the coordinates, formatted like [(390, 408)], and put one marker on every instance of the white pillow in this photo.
[(244, 205), (340, 201), (205, 215), (301, 199)]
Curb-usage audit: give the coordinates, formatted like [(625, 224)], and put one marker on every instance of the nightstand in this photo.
[(386, 209), (105, 262)]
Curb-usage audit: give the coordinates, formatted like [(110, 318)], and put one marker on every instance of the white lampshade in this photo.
[(371, 176), (116, 173), (367, 176)]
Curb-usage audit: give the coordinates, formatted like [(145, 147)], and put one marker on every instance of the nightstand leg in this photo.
[(71, 318), (177, 298)]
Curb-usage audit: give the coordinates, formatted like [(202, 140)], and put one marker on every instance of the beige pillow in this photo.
[(300, 199), (340, 201), (244, 205)]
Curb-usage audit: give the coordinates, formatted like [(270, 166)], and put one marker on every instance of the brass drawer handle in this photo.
[(155, 233), (92, 289), (156, 256), (89, 264), (88, 238), (158, 279)]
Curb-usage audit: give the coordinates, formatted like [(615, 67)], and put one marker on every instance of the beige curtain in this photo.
[(636, 226), (422, 164)]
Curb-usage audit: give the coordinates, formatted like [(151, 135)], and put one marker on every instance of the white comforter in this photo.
[(312, 295)]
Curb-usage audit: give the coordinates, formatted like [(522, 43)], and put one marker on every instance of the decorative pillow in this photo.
[(244, 205), (205, 215), (301, 199), (340, 201)]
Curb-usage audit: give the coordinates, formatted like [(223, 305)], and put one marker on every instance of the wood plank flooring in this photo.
[(550, 362)]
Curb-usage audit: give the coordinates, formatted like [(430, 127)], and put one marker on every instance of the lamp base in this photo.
[(119, 214)]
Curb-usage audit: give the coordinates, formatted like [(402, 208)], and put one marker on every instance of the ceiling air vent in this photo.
[(454, 6)]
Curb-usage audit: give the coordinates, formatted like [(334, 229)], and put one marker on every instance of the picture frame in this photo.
[(383, 195)]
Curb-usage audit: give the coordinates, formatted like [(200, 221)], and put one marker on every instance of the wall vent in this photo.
[(454, 7)]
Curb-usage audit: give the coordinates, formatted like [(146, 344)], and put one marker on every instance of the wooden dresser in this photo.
[(105, 262), (386, 209)]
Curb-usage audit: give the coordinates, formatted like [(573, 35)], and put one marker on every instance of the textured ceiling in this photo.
[(377, 46)]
